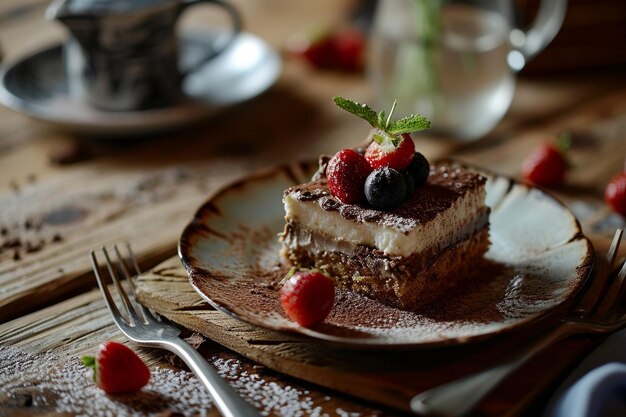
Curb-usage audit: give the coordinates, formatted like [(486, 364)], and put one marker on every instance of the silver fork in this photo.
[(594, 313), (147, 329)]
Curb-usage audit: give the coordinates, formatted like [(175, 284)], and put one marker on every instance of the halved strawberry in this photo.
[(393, 152), (117, 369)]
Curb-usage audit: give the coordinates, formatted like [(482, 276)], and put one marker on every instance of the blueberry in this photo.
[(385, 188), (419, 168), (409, 181)]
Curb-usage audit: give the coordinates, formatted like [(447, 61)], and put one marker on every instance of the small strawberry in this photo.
[(346, 173), (117, 369), (339, 49), (546, 165), (307, 297), (349, 46), (319, 50), (615, 194), (391, 144), (391, 152)]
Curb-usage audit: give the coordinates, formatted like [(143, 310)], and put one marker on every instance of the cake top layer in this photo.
[(446, 185)]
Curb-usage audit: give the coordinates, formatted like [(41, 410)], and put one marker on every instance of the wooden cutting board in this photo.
[(388, 378)]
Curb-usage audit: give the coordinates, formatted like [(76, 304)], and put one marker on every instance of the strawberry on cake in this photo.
[(383, 222)]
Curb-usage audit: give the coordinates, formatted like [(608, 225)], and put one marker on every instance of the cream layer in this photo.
[(439, 232)]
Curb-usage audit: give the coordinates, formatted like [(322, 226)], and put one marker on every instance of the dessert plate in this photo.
[(36, 85), (537, 261)]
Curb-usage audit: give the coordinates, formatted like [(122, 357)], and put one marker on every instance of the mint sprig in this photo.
[(363, 111), (412, 123)]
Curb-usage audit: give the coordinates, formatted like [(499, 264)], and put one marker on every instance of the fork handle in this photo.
[(458, 397), (227, 401)]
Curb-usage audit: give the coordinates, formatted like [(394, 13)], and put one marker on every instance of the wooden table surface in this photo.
[(62, 195)]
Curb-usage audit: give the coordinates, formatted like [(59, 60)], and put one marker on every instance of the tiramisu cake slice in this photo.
[(401, 235)]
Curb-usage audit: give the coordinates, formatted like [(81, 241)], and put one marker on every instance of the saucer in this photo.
[(37, 86)]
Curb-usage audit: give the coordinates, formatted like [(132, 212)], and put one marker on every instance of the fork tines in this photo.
[(614, 294), (119, 268)]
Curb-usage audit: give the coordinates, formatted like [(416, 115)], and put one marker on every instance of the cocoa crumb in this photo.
[(174, 360), (16, 255), (31, 247), (4, 231), (57, 237), (15, 187), (170, 413), (70, 155), (12, 243), (195, 340), (259, 368), (19, 399)]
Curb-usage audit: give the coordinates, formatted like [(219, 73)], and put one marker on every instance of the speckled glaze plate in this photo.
[(537, 261)]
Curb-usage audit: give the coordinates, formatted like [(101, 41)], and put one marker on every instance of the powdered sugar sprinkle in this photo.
[(66, 387)]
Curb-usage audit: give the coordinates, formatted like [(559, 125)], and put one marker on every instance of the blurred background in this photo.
[(589, 47)]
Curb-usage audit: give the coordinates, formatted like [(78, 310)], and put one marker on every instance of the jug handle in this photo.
[(527, 44), (235, 19)]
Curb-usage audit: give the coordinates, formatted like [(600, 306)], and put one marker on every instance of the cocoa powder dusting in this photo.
[(446, 184), (495, 297)]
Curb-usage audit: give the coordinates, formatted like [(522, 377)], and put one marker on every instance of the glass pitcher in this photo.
[(454, 61)]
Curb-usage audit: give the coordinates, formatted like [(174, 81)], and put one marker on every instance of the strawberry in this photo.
[(392, 152), (349, 48), (391, 148), (346, 173), (615, 194), (546, 165), (307, 297), (319, 52), (117, 369), (339, 49)]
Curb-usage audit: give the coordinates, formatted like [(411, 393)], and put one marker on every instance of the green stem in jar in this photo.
[(416, 67)]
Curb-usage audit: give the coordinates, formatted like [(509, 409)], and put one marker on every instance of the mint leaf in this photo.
[(382, 119), (361, 110), (387, 130), (412, 123)]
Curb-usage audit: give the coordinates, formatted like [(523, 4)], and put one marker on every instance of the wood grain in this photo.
[(130, 192), (390, 378), (62, 195), (76, 327)]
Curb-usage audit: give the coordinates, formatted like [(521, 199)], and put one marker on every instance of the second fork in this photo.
[(459, 397)]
